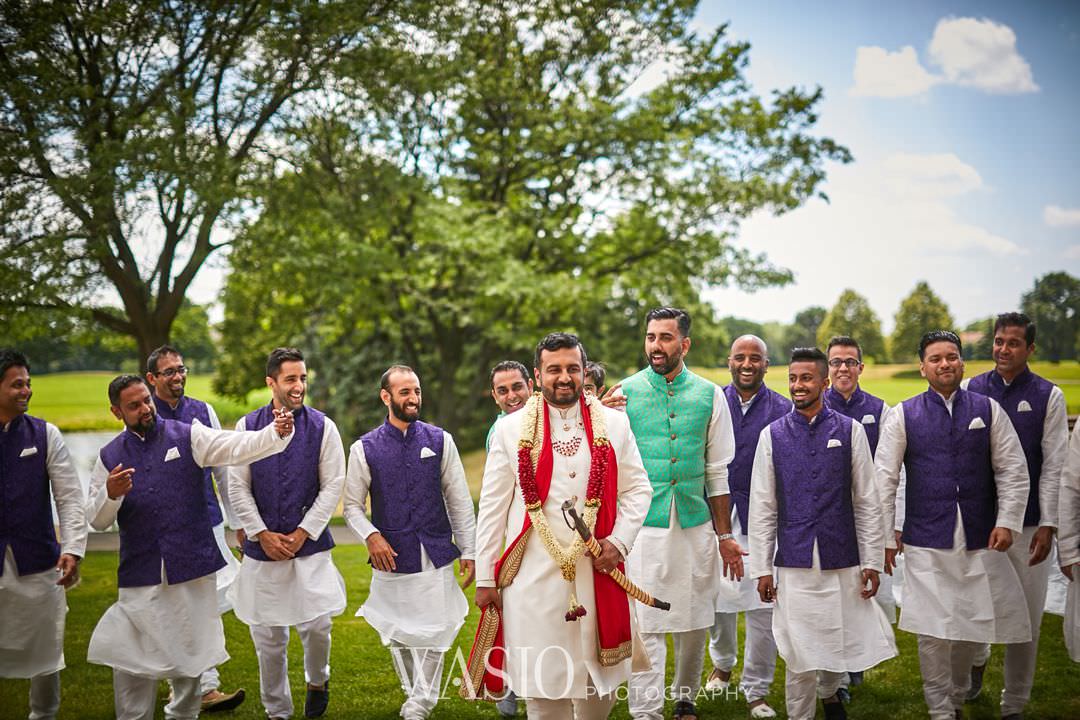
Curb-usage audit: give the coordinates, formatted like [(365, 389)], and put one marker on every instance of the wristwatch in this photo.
[(725, 536)]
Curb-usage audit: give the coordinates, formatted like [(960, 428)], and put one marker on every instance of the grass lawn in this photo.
[(365, 686)]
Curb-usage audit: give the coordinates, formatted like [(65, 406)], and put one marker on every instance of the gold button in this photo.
[(573, 474), (673, 482), (672, 416), (672, 436), (671, 393), (673, 460)]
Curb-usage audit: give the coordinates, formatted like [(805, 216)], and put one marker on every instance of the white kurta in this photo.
[(226, 575), (956, 594), (33, 607), (548, 657), (1069, 540), (170, 630), (290, 592), (682, 565), (427, 608), (820, 619)]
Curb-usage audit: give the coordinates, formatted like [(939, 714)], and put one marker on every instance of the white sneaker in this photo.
[(762, 711), (715, 683)]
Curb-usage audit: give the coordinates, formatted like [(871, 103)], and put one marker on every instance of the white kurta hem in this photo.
[(418, 610), (34, 608), (287, 592)]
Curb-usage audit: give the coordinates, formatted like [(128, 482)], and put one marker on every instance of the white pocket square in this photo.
[(426, 453), (1024, 406), (172, 454), (833, 442), (977, 424), (868, 420), (27, 452)]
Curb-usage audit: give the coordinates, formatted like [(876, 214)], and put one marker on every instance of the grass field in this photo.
[(364, 685)]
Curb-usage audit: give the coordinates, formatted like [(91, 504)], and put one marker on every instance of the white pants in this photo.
[(946, 674), (803, 690), (136, 695), (591, 708), (45, 696), (759, 662), (271, 646), (646, 689), (1020, 657), (420, 672)]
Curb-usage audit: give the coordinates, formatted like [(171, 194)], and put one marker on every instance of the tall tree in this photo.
[(804, 331), (853, 316), (1054, 305), (128, 131), (920, 312)]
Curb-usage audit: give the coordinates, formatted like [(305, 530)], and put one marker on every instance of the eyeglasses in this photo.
[(173, 371), (845, 362)]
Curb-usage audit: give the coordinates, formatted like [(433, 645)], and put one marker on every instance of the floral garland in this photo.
[(529, 446)]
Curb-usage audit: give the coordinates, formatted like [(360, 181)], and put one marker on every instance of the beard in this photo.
[(404, 414), (552, 394), (667, 365), (145, 426)]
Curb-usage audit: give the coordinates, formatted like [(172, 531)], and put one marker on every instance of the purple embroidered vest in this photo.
[(813, 490), (407, 504), (766, 407), (1035, 391), (860, 405), (164, 517), (285, 485), (187, 411), (948, 463), (26, 521)]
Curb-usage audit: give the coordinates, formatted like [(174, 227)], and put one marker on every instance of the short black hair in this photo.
[(1017, 319), (157, 354), (844, 341), (384, 381), (12, 358), (939, 336), (811, 354), (558, 341), (671, 313), (596, 372), (280, 356), (508, 365), (121, 383)]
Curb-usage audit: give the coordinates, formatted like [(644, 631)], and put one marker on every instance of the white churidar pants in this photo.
[(803, 690), (946, 674), (646, 689), (759, 661), (271, 646), (420, 672), (136, 695)]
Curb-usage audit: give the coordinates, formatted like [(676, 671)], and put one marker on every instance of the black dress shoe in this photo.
[(685, 709), (834, 711), (316, 701)]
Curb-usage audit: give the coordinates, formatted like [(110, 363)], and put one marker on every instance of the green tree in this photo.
[(804, 331), (1054, 305), (130, 130), (981, 348), (512, 180), (853, 316), (920, 312)]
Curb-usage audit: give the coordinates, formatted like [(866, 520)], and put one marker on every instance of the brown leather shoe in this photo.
[(217, 701)]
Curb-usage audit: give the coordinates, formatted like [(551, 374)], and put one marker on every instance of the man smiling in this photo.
[(511, 387)]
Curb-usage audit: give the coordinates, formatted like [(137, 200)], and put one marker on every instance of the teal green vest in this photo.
[(670, 422)]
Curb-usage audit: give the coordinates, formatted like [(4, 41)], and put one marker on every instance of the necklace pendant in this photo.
[(566, 427)]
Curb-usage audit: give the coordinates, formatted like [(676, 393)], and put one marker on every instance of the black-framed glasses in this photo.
[(173, 371), (846, 362)]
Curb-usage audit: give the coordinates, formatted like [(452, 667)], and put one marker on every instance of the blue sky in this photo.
[(965, 126)]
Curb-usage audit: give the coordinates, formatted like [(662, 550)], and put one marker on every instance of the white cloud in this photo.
[(981, 54), (880, 73), (1072, 252), (1056, 216), (933, 176), (967, 52)]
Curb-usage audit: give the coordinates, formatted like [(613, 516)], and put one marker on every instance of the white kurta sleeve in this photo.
[(241, 499), (719, 446), (100, 510), (635, 490), (210, 448), (901, 508), (1010, 470), (357, 486), (496, 495), (763, 508), (331, 481), (1069, 504), (221, 475), (67, 492), (892, 444), (1055, 444), (455, 491), (869, 525)]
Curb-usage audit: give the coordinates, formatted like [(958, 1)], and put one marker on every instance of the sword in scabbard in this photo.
[(574, 522)]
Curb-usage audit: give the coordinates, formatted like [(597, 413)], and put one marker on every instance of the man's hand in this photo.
[(732, 554), (766, 590), (611, 400), (275, 545), (609, 557), (1040, 545), (890, 559), (283, 422), (68, 564), (296, 539), (466, 570), (119, 483), (241, 537), (899, 536), (1000, 539), (870, 577), (382, 555), (486, 596), (1067, 571)]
